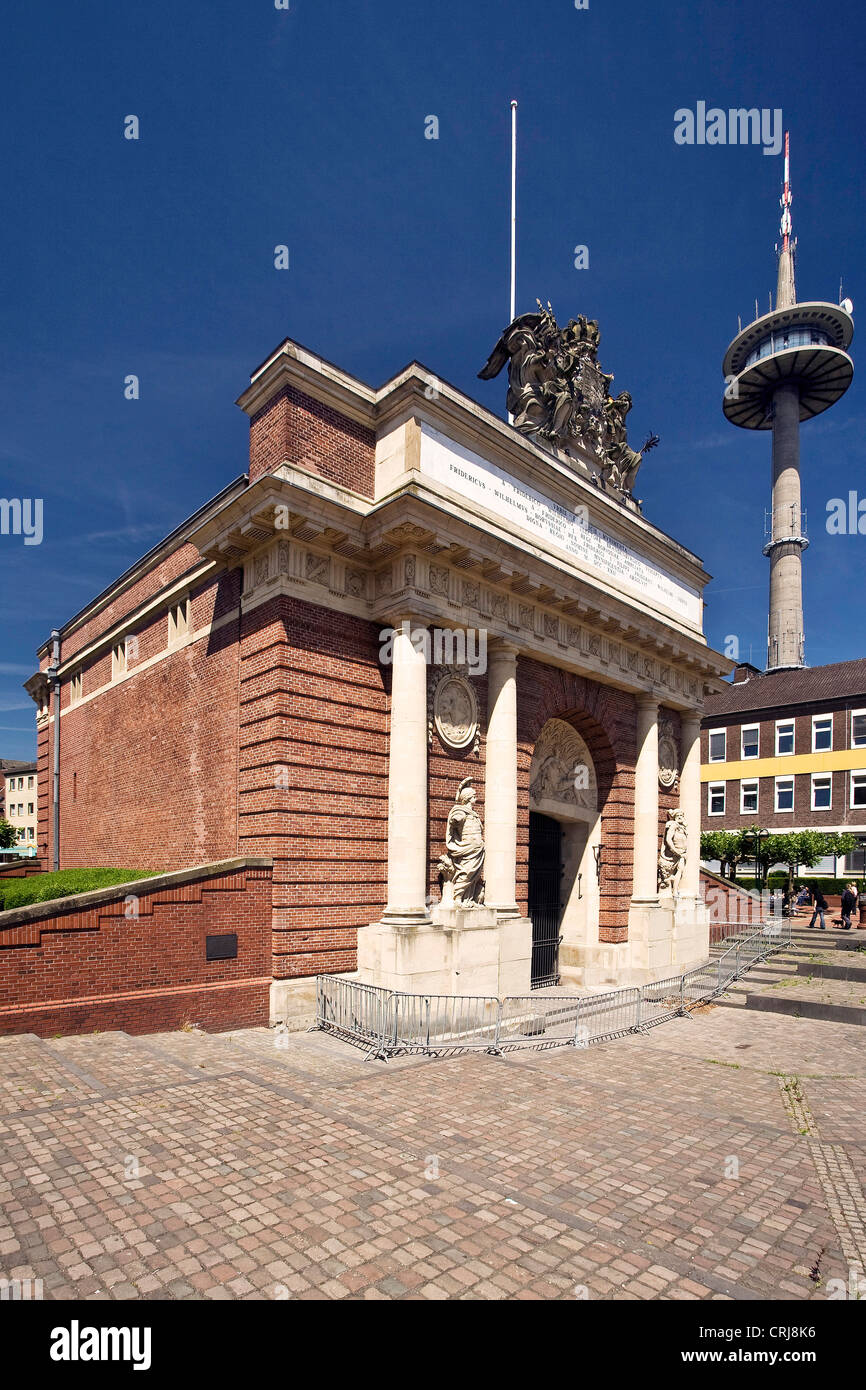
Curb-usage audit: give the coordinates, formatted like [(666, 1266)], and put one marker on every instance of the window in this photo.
[(858, 788), (76, 686), (178, 621), (716, 798), (29, 783), (822, 791), (855, 862), (784, 793), (748, 798), (30, 808), (20, 784), (30, 832), (822, 733), (858, 728), (717, 745), (750, 740), (784, 737), (118, 660)]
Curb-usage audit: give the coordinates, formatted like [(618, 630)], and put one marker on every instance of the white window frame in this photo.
[(178, 621), (714, 787), (710, 735), (747, 729), (750, 782), (855, 772), (784, 810), (820, 719), (822, 777), (785, 723), (854, 713), (118, 659)]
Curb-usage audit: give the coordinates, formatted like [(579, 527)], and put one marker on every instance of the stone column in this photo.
[(646, 800), (407, 782), (500, 780), (690, 802)]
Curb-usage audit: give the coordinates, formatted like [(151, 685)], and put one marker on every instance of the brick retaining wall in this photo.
[(132, 956)]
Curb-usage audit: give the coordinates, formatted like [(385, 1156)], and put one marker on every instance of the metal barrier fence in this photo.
[(386, 1022)]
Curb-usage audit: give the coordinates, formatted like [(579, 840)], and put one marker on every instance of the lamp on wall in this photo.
[(596, 849)]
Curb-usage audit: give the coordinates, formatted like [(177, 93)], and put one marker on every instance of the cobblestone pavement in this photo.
[(721, 1156)]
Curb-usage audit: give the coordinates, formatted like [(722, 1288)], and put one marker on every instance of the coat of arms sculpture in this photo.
[(558, 393)]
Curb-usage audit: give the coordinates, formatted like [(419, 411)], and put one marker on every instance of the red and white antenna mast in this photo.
[(786, 199)]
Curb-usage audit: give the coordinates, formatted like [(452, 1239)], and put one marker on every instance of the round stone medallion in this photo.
[(455, 712)]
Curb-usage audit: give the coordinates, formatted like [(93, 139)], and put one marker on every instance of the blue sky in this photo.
[(261, 127)]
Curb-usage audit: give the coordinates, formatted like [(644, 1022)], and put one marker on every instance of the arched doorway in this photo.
[(564, 835)]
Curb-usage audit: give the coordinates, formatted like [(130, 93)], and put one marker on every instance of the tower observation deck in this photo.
[(787, 366)]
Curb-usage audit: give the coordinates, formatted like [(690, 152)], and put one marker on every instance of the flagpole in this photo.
[(513, 221)]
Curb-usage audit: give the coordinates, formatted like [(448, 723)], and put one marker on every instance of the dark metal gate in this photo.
[(545, 878)]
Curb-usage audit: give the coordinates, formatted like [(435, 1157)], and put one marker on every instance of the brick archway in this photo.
[(605, 719)]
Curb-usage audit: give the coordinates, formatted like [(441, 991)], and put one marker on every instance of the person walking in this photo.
[(849, 902), (819, 908)]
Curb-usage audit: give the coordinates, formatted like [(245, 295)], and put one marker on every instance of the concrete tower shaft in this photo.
[(785, 641), (787, 366)]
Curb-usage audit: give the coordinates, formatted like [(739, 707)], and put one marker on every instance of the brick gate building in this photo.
[(401, 594)]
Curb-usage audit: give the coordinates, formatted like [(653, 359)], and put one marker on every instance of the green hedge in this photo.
[(827, 885), (41, 888)]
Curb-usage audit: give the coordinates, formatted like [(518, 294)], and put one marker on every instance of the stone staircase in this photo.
[(822, 975)]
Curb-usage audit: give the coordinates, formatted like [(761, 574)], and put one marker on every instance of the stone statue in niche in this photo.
[(672, 856), (669, 754), (462, 867)]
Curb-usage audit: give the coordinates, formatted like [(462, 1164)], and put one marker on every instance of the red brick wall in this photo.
[(171, 568), (728, 904), (295, 428), (149, 765), (313, 791), (82, 969), (605, 719)]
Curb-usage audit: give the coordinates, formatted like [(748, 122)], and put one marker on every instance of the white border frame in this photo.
[(724, 733), (747, 728), (793, 724), (750, 782), (714, 786), (815, 719), (784, 810), (823, 777)]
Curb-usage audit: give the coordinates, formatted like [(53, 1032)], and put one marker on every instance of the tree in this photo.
[(803, 849), (728, 846), (8, 834)]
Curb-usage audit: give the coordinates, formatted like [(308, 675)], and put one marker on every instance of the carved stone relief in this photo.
[(562, 772), (454, 707), (669, 754)]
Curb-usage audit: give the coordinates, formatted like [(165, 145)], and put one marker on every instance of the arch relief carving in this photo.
[(562, 772)]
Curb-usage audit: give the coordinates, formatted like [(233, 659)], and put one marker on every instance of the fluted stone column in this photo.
[(690, 802), (646, 800), (500, 780), (407, 782)]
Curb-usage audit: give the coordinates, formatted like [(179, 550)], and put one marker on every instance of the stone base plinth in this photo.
[(665, 937), (462, 950)]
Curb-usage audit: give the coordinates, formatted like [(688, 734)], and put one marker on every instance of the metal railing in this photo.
[(387, 1022)]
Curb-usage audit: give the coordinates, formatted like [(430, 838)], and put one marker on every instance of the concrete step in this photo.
[(801, 994)]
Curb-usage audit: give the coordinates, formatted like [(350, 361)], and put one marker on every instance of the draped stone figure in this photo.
[(464, 840), (672, 856), (558, 392)]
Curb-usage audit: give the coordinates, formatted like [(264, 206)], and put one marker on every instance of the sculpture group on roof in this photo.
[(558, 393)]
